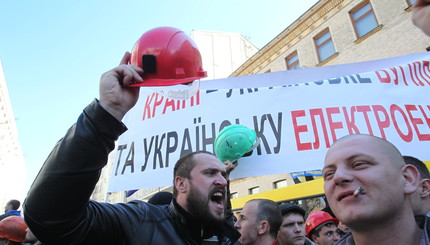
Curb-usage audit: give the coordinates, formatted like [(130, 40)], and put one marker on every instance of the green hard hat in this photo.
[(234, 141)]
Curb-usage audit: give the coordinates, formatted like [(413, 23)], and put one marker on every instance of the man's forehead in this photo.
[(250, 207), (361, 145), (293, 217), (205, 159)]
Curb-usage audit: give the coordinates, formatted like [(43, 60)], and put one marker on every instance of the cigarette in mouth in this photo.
[(358, 191)]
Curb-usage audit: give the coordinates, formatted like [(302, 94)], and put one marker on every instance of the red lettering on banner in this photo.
[(365, 109), (426, 69), (155, 101), (384, 78), (408, 136), (147, 108), (426, 118), (313, 114), (300, 129), (411, 70), (381, 123), (406, 120), (350, 123), (417, 72), (333, 125), (415, 121), (169, 103)]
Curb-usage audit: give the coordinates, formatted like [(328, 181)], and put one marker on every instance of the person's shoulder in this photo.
[(3, 216)]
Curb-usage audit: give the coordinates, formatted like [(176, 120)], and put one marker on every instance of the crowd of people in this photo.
[(375, 194)]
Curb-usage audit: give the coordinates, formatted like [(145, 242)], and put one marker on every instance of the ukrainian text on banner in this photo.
[(295, 123)]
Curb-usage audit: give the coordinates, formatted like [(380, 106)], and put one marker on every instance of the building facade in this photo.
[(12, 166)]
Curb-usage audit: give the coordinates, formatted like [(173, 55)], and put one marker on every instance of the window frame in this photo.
[(288, 58), (355, 21), (250, 190), (279, 181), (317, 47)]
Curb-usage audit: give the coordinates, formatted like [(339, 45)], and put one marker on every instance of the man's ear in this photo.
[(411, 176), (181, 184), (424, 188), (264, 227)]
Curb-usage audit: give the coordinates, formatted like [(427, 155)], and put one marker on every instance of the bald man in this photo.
[(368, 186), (259, 222)]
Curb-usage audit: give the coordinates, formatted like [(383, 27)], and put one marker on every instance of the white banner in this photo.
[(297, 115)]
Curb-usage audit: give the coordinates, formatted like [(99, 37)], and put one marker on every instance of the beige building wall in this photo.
[(395, 36), (12, 166)]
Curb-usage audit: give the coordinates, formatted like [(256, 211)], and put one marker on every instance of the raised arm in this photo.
[(57, 207)]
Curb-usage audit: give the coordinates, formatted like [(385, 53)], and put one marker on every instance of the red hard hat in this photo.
[(317, 218), (168, 56), (13, 228)]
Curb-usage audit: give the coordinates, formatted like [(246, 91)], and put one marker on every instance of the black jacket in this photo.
[(58, 209)]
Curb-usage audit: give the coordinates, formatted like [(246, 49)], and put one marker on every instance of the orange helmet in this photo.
[(13, 228), (168, 56), (317, 218)]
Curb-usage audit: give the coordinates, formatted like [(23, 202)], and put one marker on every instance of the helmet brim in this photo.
[(164, 82)]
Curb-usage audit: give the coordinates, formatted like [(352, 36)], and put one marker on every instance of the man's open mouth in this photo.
[(218, 197)]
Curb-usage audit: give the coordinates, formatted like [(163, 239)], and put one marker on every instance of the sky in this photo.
[(54, 52)]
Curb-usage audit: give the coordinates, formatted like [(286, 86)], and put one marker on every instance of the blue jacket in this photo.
[(10, 213)]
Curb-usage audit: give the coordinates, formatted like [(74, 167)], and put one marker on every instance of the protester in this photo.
[(321, 228), (12, 230), (292, 230), (259, 222), (11, 209), (71, 171), (421, 197), (368, 187), (421, 15)]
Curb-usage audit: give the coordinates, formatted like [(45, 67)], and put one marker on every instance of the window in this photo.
[(254, 190), (233, 195), (292, 61), (410, 2), (364, 19), (324, 44), (279, 184)]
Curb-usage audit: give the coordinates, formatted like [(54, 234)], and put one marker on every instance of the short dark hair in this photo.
[(269, 210), (184, 166), (316, 231), (15, 204), (422, 168)]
